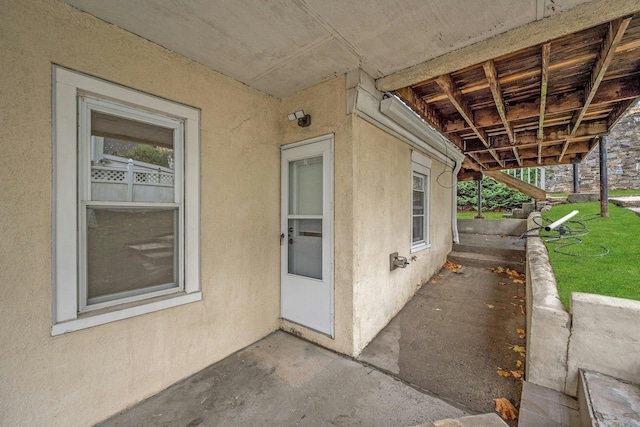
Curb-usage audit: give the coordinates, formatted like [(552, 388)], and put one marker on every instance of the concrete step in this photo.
[(483, 420), (626, 201), (607, 401), (484, 260), (508, 247), (544, 407)]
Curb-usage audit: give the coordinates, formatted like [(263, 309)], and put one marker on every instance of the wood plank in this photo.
[(612, 40), (492, 76), (619, 110), (431, 116), (450, 89), (564, 150), (610, 91), (546, 52), (517, 155), (517, 184)]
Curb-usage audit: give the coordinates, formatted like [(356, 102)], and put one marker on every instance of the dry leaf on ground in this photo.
[(517, 374), (518, 282), (501, 283), (498, 270), (506, 410), (519, 349), (438, 277), (518, 363), (452, 266), (504, 373), (489, 305), (521, 333)]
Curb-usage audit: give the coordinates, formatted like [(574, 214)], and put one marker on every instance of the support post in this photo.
[(604, 186), (479, 197), (576, 178)]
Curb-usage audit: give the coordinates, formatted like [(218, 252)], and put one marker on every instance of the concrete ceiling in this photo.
[(283, 46)]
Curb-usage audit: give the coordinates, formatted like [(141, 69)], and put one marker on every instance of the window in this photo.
[(126, 203), (420, 185)]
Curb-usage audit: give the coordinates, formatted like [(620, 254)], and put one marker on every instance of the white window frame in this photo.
[(74, 96), (421, 165)]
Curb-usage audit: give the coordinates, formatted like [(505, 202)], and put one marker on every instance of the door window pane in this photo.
[(130, 160), (305, 247), (305, 186), (130, 252)]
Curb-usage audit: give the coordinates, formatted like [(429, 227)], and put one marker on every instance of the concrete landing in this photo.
[(543, 407), (607, 401), (284, 381), (626, 202)]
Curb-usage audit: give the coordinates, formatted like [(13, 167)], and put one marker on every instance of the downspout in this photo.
[(454, 203)]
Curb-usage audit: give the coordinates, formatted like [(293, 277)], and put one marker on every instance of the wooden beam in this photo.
[(450, 89), (497, 157), (492, 76), (540, 153), (431, 116), (570, 21), (610, 91), (475, 157), (552, 134), (619, 110), (611, 41), (564, 150), (517, 156), (546, 52), (518, 184)]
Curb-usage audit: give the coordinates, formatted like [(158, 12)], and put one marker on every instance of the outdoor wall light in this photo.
[(304, 120)]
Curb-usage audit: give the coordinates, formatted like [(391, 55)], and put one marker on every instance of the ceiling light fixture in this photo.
[(304, 120)]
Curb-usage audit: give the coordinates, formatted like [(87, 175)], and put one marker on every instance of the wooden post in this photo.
[(576, 178), (479, 182), (604, 186)]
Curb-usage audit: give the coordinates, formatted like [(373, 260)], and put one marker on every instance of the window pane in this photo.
[(418, 229), (305, 247), (418, 182), (305, 186), (418, 202), (130, 252), (130, 160)]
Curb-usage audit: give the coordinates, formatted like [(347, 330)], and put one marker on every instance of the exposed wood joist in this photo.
[(611, 41), (624, 89), (496, 91), (517, 156), (544, 81), (564, 150), (409, 97), (619, 110)]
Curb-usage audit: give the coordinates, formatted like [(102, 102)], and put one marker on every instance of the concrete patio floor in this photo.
[(284, 381)]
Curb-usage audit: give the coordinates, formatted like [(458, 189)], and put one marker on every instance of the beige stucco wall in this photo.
[(82, 377), (326, 103), (382, 225)]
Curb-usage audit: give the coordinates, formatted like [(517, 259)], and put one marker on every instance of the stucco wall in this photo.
[(326, 103), (82, 377), (382, 225)]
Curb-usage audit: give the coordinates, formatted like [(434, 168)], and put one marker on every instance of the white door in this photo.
[(307, 229)]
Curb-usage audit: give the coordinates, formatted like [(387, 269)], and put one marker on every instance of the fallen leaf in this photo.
[(438, 277), (518, 363), (504, 373), (506, 410), (489, 305), (519, 349), (521, 333), (501, 283), (452, 266), (517, 374), (518, 282), (437, 309), (522, 309)]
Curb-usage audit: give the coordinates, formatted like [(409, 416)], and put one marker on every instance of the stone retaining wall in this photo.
[(600, 334), (623, 161)]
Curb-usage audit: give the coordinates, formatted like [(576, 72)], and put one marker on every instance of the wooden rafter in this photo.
[(611, 41), (492, 76), (449, 87), (619, 111), (544, 80), (517, 156), (564, 150)]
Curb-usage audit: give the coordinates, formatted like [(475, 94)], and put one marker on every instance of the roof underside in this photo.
[(540, 106)]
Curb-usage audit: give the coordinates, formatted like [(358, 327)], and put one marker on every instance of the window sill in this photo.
[(420, 247), (89, 320)]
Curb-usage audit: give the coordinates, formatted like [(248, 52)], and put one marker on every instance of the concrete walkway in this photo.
[(284, 381), (455, 335)]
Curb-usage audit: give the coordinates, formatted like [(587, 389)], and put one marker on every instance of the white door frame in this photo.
[(311, 147)]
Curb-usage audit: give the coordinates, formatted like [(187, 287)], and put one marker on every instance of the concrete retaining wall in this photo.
[(508, 227), (600, 334)]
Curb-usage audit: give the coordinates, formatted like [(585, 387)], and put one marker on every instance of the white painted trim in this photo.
[(67, 88), (89, 321), (421, 165)]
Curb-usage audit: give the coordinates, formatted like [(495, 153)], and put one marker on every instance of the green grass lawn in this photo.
[(486, 215), (612, 193), (616, 274)]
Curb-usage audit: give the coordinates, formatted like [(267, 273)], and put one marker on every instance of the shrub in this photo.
[(495, 196)]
